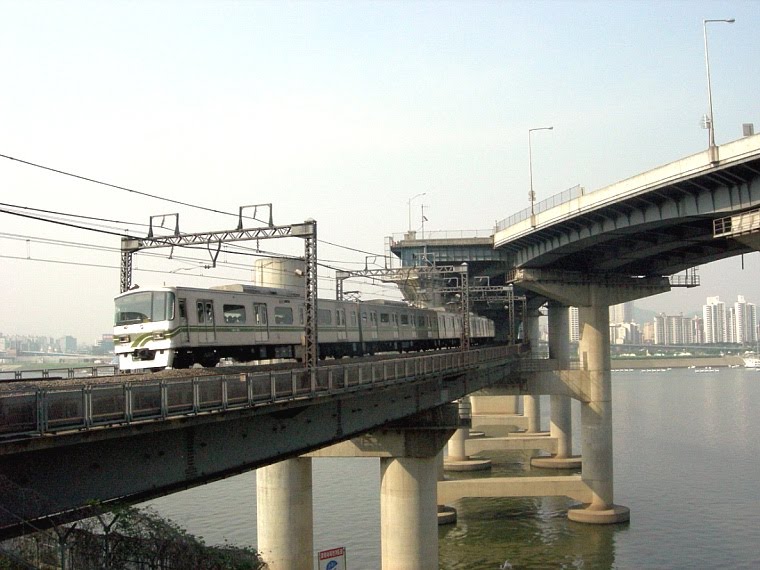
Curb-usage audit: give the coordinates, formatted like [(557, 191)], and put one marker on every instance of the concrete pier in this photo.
[(596, 418), (560, 425), (532, 412), (457, 458), (408, 513), (284, 520), (410, 458)]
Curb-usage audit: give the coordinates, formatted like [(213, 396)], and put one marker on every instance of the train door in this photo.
[(184, 329), (260, 323), (340, 315), (206, 328)]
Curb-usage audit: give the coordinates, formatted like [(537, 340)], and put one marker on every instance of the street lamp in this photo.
[(409, 202), (710, 123), (532, 195)]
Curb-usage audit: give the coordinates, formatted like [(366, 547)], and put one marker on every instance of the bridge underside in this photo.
[(665, 228), (142, 461)]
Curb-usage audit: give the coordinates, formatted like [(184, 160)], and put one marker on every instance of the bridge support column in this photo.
[(596, 418), (457, 458), (560, 426), (532, 413), (408, 502), (408, 513), (532, 402), (284, 519)]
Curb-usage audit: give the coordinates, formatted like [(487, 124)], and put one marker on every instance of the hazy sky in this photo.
[(341, 112)]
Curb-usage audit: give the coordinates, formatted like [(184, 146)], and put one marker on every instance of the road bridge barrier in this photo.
[(36, 412)]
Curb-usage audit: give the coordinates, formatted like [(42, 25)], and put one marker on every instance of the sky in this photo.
[(340, 111)]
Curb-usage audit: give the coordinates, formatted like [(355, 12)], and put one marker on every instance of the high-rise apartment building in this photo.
[(737, 324)]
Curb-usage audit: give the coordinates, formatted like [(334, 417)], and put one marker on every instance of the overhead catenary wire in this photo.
[(157, 197)]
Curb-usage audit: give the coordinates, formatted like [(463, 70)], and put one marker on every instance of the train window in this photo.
[(234, 313), (385, 318), (324, 316), (182, 309), (340, 316), (144, 307), (373, 318), (354, 320), (259, 314), (404, 319), (283, 316), (420, 320), (201, 312), (301, 316), (364, 316)]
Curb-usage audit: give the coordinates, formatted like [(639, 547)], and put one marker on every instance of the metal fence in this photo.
[(30, 411), (52, 373), (738, 224), (542, 206)]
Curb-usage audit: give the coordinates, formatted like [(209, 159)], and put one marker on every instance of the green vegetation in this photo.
[(127, 538)]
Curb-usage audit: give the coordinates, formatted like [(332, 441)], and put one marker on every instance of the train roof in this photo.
[(242, 288)]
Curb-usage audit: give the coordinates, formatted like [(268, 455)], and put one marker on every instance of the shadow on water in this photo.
[(522, 532)]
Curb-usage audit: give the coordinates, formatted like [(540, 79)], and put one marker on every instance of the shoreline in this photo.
[(676, 362)]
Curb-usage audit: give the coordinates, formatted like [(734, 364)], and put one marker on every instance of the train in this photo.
[(178, 327)]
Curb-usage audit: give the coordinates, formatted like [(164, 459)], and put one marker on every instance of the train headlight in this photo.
[(159, 336), (124, 339)]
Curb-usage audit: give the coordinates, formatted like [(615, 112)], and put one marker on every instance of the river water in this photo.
[(687, 464)]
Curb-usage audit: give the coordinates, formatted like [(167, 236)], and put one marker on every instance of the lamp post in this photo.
[(532, 195), (710, 122), (409, 203)]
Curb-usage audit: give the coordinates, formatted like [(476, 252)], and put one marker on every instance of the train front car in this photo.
[(146, 324)]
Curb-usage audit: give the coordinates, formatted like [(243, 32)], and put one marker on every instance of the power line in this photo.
[(155, 197), (93, 180)]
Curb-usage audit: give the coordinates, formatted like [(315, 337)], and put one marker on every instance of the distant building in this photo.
[(737, 324), (575, 328), (622, 313), (714, 320)]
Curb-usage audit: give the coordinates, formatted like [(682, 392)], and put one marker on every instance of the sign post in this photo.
[(333, 559)]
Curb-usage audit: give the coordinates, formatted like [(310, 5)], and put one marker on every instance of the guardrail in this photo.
[(68, 373), (30, 412), (542, 206), (441, 234), (738, 224)]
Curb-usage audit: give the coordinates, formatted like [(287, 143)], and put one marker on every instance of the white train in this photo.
[(176, 327)]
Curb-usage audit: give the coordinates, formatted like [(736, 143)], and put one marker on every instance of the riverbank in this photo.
[(677, 362)]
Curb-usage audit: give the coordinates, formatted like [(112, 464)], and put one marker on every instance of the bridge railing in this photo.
[(29, 411), (738, 224), (542, 206), (68, 373)]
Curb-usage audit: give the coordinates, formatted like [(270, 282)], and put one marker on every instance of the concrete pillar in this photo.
[(284, 519), (560, 426), (596, 418), (457, 458), (408, 511), (531, 403), (532, 411)]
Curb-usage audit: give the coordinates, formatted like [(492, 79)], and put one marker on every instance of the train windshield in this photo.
[(144, 307)]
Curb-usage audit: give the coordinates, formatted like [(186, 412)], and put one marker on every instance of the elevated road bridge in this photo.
[(595, 249)]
